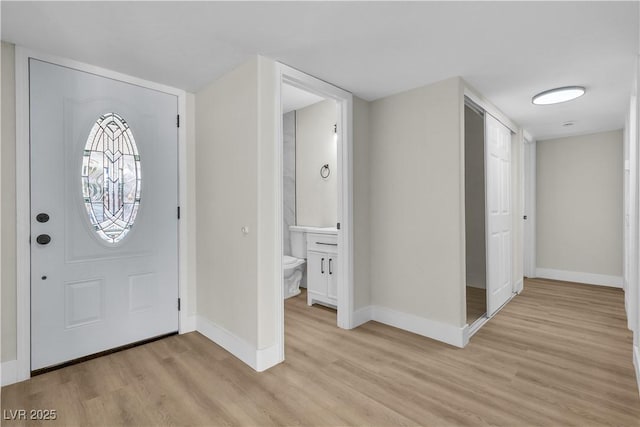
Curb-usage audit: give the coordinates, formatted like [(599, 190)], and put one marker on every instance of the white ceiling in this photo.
[(507, 50), (295, 99)]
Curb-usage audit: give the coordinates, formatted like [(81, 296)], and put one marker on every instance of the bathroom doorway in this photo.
[(475, 212), (310, 197), (315, 200)]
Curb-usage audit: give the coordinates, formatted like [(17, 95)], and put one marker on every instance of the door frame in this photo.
[(630, 215), (517, 199), (344, 100), (529, 238), (512, 153), (23, 177)]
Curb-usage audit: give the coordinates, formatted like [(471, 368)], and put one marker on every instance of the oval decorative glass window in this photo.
[(111, 177)]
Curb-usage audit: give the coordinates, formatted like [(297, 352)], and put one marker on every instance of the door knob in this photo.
[(43, 239)]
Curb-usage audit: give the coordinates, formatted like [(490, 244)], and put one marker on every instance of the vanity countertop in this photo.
[(310, 229)]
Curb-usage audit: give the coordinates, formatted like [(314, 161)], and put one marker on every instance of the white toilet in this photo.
[(294, 266), (293, 272)]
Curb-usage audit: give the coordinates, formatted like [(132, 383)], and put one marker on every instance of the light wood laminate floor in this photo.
[(557, 355), (476, 303)]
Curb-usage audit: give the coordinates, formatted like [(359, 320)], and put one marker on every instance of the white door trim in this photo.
[(488, 107), (344, 100), (23, 253), (530, 207), (632, 210)]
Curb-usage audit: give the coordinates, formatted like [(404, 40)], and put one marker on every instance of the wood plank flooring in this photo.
[(476, 303), (557, 355)]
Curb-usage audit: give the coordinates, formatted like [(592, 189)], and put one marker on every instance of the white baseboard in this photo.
[(575, 276), (267, 357), (9, 372), (470, 330), (519, 286), (361, 316), (636, 363), (475, 285), (419, 325), (189, 325), (259, 360)]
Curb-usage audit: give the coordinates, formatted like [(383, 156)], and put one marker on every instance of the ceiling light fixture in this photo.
[(557, 95)]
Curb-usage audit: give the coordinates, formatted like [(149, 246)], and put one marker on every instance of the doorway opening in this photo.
[(475, 213), (315, 201), (309, 189), (489, 214)]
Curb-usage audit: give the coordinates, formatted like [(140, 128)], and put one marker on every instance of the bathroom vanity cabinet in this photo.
[(322, 269)]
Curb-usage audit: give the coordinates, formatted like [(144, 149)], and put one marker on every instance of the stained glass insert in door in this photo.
[(111, 177)]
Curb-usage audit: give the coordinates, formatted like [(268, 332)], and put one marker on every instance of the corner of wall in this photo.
[(462, 309), (361, 209), (9, 372), (8, 258), (227, 258), (417, 254), (268, 158)]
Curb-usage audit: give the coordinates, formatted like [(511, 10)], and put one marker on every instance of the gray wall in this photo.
[(474, 199), (235, 184), (579, 203), (227, 197), (316, 197), (8, 214), (289, 178), (417, 213), (362, 202)]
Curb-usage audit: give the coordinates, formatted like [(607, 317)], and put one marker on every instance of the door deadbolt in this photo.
[(43, 239), (42, 217)]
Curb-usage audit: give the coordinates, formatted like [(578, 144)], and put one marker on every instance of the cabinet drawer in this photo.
[(322, 242)]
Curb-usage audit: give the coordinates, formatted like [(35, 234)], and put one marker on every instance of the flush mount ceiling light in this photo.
[(557, 95)]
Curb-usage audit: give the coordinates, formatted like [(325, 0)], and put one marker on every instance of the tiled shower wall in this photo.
[(289, 178)]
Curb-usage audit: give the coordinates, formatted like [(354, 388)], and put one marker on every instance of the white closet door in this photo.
[(499, 221)]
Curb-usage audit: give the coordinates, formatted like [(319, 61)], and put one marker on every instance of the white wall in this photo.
[(417, 212), (268, 288), (316, 197), (8, 206), (631, 226), (475, 241), (529, 236), (579, 208), (227, 196), (235, 187), (362, 202), (630, 212), (189, 213)]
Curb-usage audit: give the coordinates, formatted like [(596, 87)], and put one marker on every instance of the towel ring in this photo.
[(325, 171)]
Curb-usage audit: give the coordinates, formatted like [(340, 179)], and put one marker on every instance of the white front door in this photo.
[(499, 224), (104, 230)]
